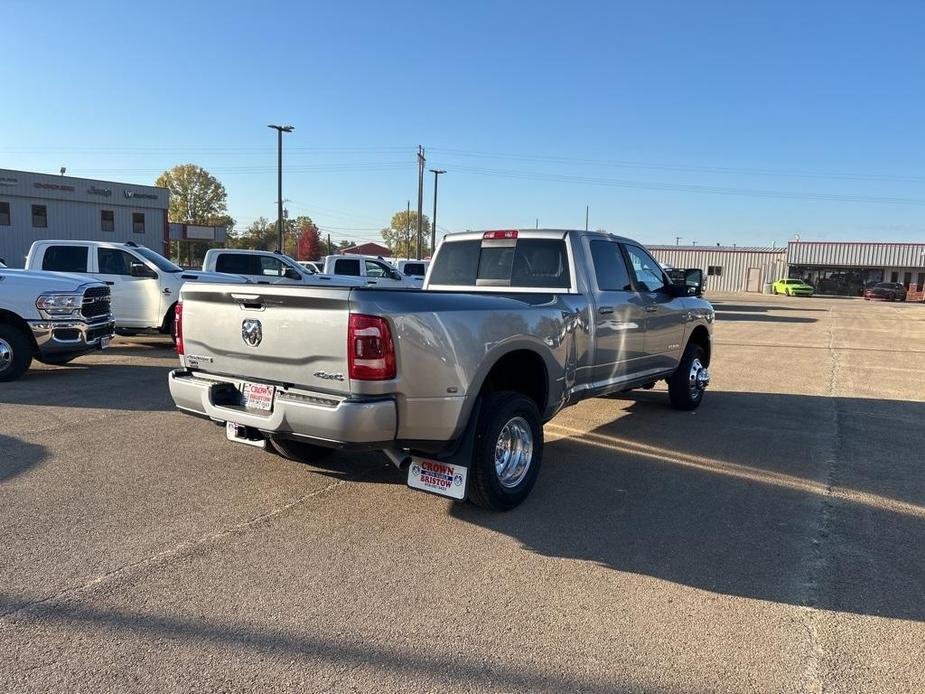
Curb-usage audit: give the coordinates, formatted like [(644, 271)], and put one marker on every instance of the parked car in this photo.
[(373, 271), (144, 284), (269, 267), (414, 270), (792, 287), (51, 317), (886, 291), (454, 382)]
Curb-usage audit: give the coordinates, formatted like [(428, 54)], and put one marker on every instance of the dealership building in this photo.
[(838, 268), (37, 206)]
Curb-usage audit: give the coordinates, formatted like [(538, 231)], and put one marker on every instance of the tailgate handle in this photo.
[(248, 301)]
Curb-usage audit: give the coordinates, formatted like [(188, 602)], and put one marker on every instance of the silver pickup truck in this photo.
[(454, 382)]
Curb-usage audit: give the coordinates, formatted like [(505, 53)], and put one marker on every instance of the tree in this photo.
[(260, 235), (196, 196), (309, 245), (402, 233)]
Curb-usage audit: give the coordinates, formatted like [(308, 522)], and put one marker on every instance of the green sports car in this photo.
[(792, 287)]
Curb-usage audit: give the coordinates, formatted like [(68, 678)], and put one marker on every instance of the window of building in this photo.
[(921, 282), (907, 279), (714, 270), (138, 222), (40, 216), (65, 259), (107, 220), (894, 277), (4, 214)]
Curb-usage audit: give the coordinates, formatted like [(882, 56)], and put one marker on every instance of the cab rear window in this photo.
[(527, 263)]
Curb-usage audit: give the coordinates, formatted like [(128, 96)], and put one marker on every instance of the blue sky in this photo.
[(714, 121)]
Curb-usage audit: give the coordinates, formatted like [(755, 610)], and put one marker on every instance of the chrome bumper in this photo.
[(70, 336), (318, 416)]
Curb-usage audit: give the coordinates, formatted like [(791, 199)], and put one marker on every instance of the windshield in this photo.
[(159, 261)]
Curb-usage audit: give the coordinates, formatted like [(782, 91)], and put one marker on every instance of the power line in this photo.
[(688, 188)]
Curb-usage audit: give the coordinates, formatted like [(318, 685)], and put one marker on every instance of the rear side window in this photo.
[(237, 264), (609, 267), (347, 266), (527, 263), (414, 269), (65, 259)]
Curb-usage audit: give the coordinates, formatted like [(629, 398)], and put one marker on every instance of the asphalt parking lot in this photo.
[(772, 541)]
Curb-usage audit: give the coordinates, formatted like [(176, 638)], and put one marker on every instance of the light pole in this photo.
[(433, 222), (280, 129)]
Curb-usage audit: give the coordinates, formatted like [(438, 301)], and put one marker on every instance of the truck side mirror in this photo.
[(693, 279), (291, 274)]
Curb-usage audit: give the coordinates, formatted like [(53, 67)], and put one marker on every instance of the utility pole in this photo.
[(408, 227), (677, 240), (537, 222), (330, 252), (586, 217), (433, 222), (421, 162), (280, 129)]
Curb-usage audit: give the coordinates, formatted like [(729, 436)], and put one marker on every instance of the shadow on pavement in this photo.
[(17, 456), (755, 317), (723, 307), (130, 387), (793, 499), (425, 664)]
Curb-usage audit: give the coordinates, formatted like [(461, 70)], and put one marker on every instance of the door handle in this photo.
[(651, 309), (604, 310)]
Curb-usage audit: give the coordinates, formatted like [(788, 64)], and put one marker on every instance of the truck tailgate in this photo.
[(270, 333)]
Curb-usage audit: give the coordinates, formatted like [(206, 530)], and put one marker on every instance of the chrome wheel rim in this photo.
[(6, 354), (698, 379), (513, 452)]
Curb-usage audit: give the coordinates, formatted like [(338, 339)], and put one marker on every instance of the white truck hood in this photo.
[(48, 281)]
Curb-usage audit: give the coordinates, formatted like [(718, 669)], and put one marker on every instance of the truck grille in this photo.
[(96, 302)]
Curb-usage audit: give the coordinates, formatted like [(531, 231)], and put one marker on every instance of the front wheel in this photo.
[(15, 353), (508, 451), (687, 384)]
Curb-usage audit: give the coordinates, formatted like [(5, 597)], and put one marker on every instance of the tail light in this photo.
[(370, 351), (508, 234), (178, 327)]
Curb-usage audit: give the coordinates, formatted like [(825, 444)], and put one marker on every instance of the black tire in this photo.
[(300, 451), (485, 486), (682, 395), (15, 353)]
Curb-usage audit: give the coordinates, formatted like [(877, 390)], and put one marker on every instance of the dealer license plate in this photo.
[(104, 342), (258, 396), (438, 478)]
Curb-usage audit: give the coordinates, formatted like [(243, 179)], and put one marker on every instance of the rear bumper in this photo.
[(64, 337), (324, 418)]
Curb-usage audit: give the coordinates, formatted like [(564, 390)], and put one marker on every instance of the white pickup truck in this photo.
[(270, 267), (145, 285), (51, 317), (375, 272)]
